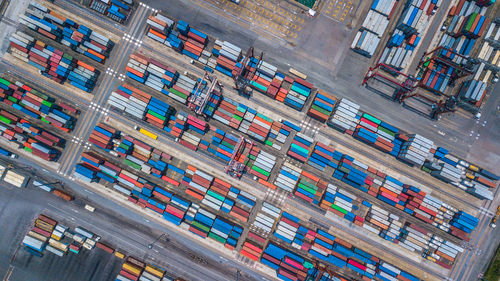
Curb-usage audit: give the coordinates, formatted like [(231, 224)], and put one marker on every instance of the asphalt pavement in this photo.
[(119, 226), (332, 66)]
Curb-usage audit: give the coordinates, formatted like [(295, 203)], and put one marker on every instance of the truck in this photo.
[(7, 153), (493, 223)]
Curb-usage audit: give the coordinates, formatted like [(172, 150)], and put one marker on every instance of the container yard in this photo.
[(239, 159)]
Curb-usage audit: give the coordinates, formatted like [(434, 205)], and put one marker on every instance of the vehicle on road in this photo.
[(493, 223)]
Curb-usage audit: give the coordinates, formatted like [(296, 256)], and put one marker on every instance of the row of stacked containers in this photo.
[(46, 119), (199, 220), (226, 58)]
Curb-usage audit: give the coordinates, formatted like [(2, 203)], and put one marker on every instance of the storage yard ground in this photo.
[(322, 51), (120, 227), (149, 166)]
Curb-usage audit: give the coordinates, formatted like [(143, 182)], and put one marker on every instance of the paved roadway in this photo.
[(87, 122), (485, 240), (305, 210), (117, 61), (322, 51), (117, 225)]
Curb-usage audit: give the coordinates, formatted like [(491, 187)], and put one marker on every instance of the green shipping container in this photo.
[(386, 131), (5, 82), (324, 111), (217, 237), (310, 190), (237, 117), (200, 226), (177, 93), (132, 164), (335, 207), (470, 21), (260, 171), (268, 142), (5, 120), (156, 115)]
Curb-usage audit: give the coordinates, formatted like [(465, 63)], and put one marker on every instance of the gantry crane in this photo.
[(206, 86), (321, 269), (235, 168), (245, 73), (403, 88)]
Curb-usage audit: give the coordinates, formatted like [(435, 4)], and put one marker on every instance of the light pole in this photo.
[(150, 246)]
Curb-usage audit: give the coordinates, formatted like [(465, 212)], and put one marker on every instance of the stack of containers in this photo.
[(263, 80), (300, 147), (448, 173), (288, 177), (279, 133), (131, 269), (298, 94), (401, 45), (464, 221), (416, 149), (117, 10), (414, 238), (130, 100), (160, 27), (195, 43), (436, 77), (150, 272), (78, 37), (321, 156), (206, 224), (32, 139), (183, 88), (53, 63), (322, 106), (379, 134), (287, 227), (310, 188), (225, 232), (198, 185), (38, 237), (228, 57), (251, 250), (288, 265), (42, 106), (365, 43), (474, 25), (263, 165), (224, 143), (375, 24), (176, 210), (447, 251), (345, 116), (473, 91), (265, 220), (102, 136)]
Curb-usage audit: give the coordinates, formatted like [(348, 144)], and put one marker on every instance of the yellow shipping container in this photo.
[(37, 236), (469, 176), (148, 133), (58, 245), (155, 271), (43, 225), (473, 168), (55, 237), (119, 255), (132, 268)]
